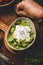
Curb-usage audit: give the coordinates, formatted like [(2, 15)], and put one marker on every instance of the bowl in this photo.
[(33, 28), (7, 7), (6, 4)]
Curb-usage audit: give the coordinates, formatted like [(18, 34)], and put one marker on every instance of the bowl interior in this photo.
[(33, 29)]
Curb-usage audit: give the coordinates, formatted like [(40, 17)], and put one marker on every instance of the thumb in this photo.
[(22, 13)]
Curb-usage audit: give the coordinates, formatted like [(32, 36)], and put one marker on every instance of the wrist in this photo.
[(41, 13)]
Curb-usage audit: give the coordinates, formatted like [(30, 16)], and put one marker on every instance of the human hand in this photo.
[(30, 9)]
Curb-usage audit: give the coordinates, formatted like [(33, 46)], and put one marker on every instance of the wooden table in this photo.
[(35, 49)]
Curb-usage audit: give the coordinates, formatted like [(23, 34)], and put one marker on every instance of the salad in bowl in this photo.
[(21, 34)]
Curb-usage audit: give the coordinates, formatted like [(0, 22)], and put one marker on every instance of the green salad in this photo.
[(20, 34)]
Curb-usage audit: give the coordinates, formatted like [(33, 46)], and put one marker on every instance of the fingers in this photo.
[(20, 5), (24, 13), (21, 13)]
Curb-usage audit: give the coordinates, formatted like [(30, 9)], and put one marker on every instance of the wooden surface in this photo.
[(35, 49)]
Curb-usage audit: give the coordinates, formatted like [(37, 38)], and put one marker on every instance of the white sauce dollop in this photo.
[(22, 33)]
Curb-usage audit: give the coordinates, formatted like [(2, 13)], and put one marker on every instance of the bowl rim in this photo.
[(30, 43), (7, 3)]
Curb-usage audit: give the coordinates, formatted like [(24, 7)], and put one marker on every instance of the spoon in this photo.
[(7, 59)]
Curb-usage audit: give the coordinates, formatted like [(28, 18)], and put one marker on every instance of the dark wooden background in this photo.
[(7, 17)]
